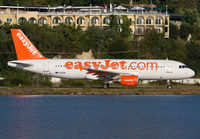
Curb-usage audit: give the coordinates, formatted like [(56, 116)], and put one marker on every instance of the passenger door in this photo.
[(46, 67)]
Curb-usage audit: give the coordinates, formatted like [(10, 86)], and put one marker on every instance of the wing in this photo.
[(102, 73)]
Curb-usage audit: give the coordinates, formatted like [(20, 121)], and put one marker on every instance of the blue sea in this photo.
[(100, 117)]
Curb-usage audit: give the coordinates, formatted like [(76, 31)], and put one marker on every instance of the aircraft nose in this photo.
[(192, 73)]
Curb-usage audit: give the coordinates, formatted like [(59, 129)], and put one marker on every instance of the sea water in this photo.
[(100, 117)]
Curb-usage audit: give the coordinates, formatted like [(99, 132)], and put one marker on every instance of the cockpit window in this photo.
[(182, 66)]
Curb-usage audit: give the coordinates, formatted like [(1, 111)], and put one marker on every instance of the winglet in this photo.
[(24, 48)]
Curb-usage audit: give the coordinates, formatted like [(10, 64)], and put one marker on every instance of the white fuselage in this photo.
[(75, 68)]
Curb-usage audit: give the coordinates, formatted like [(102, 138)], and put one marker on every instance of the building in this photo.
[(142, 18)]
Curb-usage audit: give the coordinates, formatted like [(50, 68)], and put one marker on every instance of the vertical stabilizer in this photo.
[(24, 48)]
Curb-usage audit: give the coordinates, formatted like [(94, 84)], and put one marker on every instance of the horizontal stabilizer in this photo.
[(18, 63)]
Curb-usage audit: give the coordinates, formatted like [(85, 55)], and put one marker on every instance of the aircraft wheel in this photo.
[(169, 86), (106, 85)]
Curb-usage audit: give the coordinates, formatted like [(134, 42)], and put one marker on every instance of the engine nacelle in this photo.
[(129, 80)]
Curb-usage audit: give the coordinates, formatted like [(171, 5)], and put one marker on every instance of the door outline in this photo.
[(46, 67)]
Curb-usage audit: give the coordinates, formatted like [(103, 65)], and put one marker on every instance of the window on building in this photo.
[(166, 21), (158, 21), (21, 19), (9, 20), (42, 20), (95, 21), (140, 30), (166, 29), (159, 30), (106, 20), (69, 20), (32, 20), (149, 21), (56, 20), (119, 29), (80, 21), (119, 21), (140, 20)]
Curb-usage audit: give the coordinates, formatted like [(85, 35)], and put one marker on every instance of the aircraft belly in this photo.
[(150, 75), (74, 74)]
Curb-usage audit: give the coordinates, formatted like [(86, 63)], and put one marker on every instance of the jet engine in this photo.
[(129, 80)]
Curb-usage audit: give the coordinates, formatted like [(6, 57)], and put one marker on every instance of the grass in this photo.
[(189, 90)]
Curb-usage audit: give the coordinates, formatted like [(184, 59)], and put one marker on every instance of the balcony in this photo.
[(78, 13)]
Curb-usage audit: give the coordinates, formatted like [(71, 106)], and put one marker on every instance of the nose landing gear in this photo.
[(169, 86)]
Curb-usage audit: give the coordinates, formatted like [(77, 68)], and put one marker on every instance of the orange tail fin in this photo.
[(24, 48)]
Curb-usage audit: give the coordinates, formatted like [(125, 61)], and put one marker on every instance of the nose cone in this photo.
[(192, 73)]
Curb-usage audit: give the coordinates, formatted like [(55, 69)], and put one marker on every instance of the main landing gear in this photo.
[(169, 86), (105, 85)]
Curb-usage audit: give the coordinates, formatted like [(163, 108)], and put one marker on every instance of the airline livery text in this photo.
[(26, 44), (106, 64)]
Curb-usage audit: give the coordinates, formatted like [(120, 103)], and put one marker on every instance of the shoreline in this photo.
[(194, 90)]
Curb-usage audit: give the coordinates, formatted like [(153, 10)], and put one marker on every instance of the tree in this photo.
[(177, 50), (126, 31), (198, 5), (185, 30), (96, 39), (191, 16), (173, 32), (81, 2), (155, 46), (183, 5), (146, 45), (193, 57), (118, 48), (113, 22)]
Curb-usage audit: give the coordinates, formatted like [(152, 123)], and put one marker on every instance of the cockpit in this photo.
[(182, 66)]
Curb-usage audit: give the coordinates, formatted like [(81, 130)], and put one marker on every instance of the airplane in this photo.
[(128, 72)]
